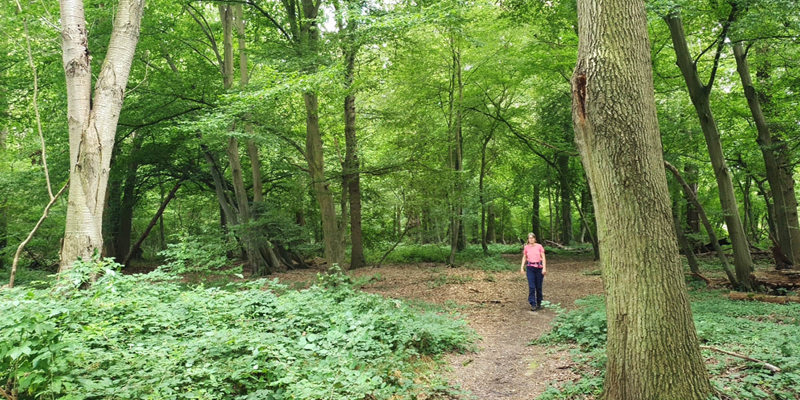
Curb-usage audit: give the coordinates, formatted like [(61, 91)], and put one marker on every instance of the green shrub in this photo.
[(199, 257), (147, 337)]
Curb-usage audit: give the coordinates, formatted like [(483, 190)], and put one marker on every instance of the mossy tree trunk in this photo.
[(652, 349)]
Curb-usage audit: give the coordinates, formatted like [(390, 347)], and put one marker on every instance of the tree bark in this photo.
[(784, 199), (92, 124), (699, 94), (652, 349), (536, 218)]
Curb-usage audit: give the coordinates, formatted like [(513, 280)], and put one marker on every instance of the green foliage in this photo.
[(200, 257), (585, 326), (760, 330), (139, 336)]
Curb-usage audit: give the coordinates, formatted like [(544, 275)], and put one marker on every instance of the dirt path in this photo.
[(495, 306)]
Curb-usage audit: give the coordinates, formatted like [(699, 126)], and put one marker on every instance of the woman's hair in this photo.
[(531, 235)]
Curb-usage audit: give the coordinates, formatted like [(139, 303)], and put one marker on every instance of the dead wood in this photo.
[(744, 357), (763, 297)]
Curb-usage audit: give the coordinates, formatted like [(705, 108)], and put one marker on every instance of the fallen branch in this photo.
[(766, 364), (763, 297), (7, 396)]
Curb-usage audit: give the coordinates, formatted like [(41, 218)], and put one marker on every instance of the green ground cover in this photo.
[(154, 337)]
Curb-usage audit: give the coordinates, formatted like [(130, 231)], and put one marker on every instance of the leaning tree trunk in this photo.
[(652, 349), (784, 200), (93, 120), (699, 94)]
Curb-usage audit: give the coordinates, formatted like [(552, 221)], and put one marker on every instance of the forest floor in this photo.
[(505, 365)]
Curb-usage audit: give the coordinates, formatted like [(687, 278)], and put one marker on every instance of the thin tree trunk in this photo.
[(536, 218), (785, 201), (331, 234), (709, 229), (699, 94), (482, 194), (565, 189), (30, 235), (136, 246), (352, 175), (692, 218), (652, 346), (92, 124), (683, 243), (456, 94), (122, 236)]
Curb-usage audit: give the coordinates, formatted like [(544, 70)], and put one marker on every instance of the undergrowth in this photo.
[(759, 330), (153, 337)]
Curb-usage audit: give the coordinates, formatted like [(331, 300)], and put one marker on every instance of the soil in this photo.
[(505, 364)]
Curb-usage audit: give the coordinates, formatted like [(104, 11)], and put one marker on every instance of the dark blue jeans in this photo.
[(535, 279)]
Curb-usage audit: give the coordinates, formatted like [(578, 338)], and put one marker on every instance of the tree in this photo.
[(699, 93), (773, 150), (93, 119), (652, 347)]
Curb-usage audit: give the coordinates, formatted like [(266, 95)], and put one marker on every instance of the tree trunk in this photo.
[(565, 189), (692, 218), (122, 236), (699, 94), (536, 219), (652, 349), (784, 199), (93, 123), (456, 98), (159, 213), (690, 196), (482, 194), (331, 234), (352, 165), (3, 204)]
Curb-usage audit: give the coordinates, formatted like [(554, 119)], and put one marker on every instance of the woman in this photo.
[(534, 266)]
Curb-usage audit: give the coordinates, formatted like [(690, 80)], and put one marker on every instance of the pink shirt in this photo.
[(533, 252)]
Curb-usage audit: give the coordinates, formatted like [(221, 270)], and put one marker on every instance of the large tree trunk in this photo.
[(784, 200), (699, 94), (93, 123), (652, 349)]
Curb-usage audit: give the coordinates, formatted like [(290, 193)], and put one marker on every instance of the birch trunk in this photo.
[(652, 348), (92, 124)]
